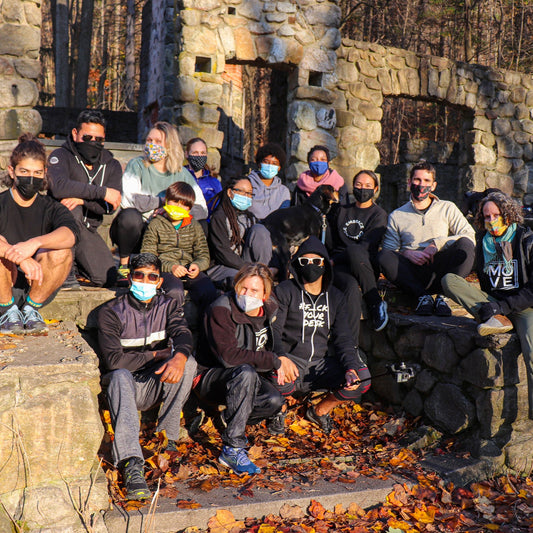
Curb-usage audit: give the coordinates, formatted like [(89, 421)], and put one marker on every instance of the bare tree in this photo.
[(81, 79), (61, 49)]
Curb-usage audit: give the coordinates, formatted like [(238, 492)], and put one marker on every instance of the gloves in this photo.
[(488, 310)]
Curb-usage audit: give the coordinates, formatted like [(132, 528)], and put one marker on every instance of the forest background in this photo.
[(103, 40)]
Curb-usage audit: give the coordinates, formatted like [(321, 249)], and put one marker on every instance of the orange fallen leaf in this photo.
[(223, 522), (188, 504), (316, 510)]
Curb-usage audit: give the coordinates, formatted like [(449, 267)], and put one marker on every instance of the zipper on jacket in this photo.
[(314, 318), (145, 327)]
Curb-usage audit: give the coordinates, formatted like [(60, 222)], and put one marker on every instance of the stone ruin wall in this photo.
[(20, 22)]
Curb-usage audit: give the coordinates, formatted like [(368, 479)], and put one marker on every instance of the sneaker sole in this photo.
[(494, 330), (223, 463), (35, 330), (18, 331)]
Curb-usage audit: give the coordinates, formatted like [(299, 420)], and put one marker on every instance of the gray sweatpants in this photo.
[(129, 393), (471, 298)]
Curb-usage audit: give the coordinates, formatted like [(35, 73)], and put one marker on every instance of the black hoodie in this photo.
[(70, 178), (306, 323)]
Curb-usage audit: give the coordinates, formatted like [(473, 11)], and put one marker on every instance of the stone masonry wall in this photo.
[(20, 22), (469, 386)]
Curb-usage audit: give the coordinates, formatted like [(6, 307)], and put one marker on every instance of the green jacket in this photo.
[(187, 245)]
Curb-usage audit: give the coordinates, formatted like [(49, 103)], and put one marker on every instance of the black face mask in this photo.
[(420, 192), (28, 186), (363, 195), (89, 151), (310, 273), (197, 162)]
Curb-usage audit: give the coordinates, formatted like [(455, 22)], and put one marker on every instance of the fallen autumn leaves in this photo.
[(367, 442)]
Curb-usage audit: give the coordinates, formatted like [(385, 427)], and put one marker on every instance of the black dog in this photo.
[(291, 226)]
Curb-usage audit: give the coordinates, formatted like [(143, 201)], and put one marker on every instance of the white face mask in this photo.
[(248, 303)]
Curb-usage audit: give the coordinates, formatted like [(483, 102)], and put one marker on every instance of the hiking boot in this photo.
[(133, 475), (12, 321), (425, 305), (441, 307), (237, 459), (324, 422), (495, 324), (33, 321), (380, 317), (123, 276), (276, 424)]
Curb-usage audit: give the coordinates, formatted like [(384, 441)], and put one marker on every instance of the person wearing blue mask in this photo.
[(235, 237), (146, 352), (319, 173), (269, 192)]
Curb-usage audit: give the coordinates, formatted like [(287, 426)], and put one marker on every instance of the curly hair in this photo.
[(509, 209), (271, 149), (254, 269)]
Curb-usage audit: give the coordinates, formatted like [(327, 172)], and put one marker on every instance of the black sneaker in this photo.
[(136, 486), (12, 321), (425, 305), (380, 317), (324, 422), (276, 424), (33, 321), (441, 307), (171, 446)]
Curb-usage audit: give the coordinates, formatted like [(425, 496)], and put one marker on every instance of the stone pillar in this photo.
[(20, 28)]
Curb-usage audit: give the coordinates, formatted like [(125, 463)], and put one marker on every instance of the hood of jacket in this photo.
[(312, 245), (105, 156)]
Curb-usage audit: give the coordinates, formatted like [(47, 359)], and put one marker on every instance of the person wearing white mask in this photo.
[(269, 192), (146, 352), (144, 184), (237, 350)]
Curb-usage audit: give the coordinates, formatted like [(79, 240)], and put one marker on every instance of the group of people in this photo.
[(178, 228)]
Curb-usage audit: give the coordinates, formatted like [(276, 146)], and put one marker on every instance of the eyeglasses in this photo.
[(139, 275), (244, 193), (317, 261), (86, 138)]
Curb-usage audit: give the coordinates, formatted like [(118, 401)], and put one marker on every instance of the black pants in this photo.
[(348, 285), (201, 289), (247, 396), (127, 231), (458, 258)]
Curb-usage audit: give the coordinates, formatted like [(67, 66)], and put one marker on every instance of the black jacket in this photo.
[(514, 299), (130, 330), (230, 339), (70, 178), (307, 324)]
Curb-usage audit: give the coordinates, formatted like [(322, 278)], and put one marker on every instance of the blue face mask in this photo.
[(143, 291), (269, 171), (318, 167), (241, 202)]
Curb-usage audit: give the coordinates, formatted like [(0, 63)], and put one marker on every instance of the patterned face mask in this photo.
[(175, 212), (155, 152), (496, 227)]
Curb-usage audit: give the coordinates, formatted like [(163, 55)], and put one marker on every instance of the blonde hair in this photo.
[(175, 154), (254, 269)]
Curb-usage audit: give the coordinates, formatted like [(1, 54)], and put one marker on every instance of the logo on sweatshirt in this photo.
[(353, 229), (503, 277), (261, 338), (314, 315)]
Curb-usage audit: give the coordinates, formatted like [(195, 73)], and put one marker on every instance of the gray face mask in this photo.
[(248, 303)]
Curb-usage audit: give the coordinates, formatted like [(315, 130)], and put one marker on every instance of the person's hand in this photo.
[(113, 197), (71, 203), (416, 256), (21, 251), (429, 252), (179, 271), (352, 380), (193, 270), (32, 270), (287, 372), (172, 370)]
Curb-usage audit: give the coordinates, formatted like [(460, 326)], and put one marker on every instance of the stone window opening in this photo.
[(232, 11), (315, 78), (202, 64)]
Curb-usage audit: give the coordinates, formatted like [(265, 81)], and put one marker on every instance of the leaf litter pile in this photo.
[(366, 442)]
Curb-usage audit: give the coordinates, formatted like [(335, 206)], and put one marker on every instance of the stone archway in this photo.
[(500, 140)]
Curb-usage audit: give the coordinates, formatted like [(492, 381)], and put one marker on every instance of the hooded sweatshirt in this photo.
[(308, 323), (306, 185), (268, 199), (69, 177)]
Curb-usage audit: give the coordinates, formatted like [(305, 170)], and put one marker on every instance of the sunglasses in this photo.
[(86, 138), (138, 275), (317, 261), (244, 193)]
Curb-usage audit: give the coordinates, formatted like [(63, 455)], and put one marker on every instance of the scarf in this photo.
[(498, 248), (307, 184)]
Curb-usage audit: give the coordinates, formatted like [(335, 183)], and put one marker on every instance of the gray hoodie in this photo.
[(268, 199)]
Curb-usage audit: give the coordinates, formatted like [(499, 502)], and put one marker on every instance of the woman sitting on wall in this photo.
[(504, 259), (144, 183)]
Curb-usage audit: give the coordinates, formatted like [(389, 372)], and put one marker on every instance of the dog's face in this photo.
[(324, 197)]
